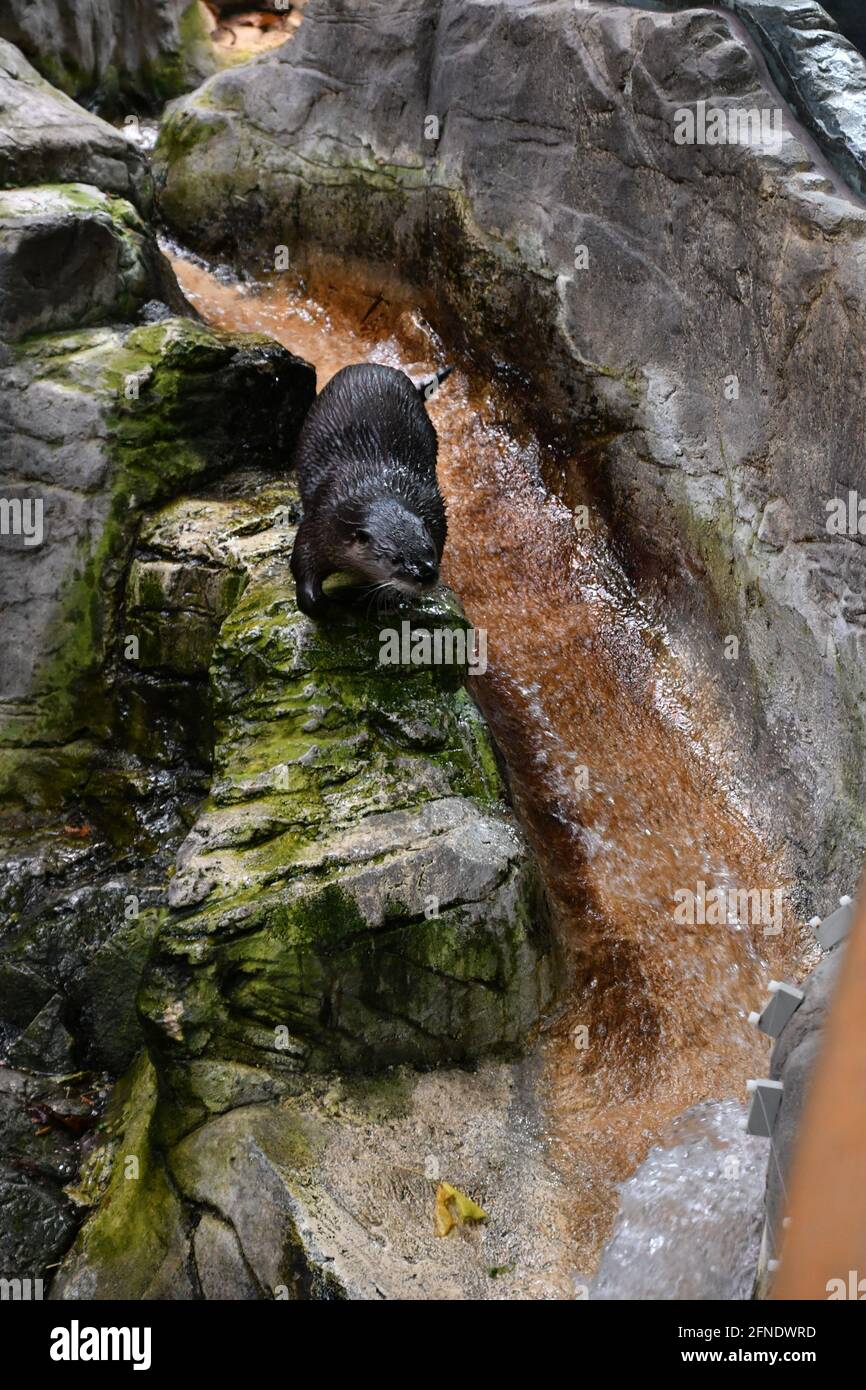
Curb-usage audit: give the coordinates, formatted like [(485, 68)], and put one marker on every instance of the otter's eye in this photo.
[(362, 536)]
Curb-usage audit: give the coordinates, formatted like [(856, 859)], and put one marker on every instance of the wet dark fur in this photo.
[(366, 467)]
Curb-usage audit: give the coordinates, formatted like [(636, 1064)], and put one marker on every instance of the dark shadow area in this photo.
[(850, 15)]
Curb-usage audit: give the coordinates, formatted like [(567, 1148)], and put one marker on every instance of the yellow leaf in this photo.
[(450, 1200), (467, 1210), (443, 1220)]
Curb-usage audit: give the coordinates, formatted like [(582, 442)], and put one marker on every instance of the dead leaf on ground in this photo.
[(452, 1206)]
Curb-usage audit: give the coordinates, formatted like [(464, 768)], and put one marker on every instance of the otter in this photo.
[(366, 466)]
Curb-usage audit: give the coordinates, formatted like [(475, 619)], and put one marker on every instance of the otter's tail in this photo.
[(427, 389)]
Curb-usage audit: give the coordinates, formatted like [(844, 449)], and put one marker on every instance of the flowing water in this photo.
[(609, 750)]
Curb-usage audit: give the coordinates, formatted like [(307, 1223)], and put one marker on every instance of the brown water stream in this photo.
[(579, 677)]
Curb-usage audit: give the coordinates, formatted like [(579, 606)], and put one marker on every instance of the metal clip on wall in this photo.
[(783, 1003), (766, 1101), (832, 929)]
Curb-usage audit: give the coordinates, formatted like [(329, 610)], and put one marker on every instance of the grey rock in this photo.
[(822, 74), (219, 1260), (127, 744), (71, 256), (46, 1044), (37, 1221), (116, 54), (689, 1221), (46, 1152), (22, 992), (818, 71), (556, 131), (45, 137), (84, 419), (36, 1226), (14, 1095), (353, 891), (331, 1195), (75, 938), (107, 1027)]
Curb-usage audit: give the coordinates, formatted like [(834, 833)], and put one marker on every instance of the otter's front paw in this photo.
[(311, 601)]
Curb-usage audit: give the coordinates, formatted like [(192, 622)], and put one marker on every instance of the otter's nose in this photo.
[(427, 572)]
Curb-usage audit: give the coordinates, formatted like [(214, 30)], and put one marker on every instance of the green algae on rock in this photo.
[(101, 752), (326, 1195), (135, 1245), (353, 891), (103, 422), (115, 55)]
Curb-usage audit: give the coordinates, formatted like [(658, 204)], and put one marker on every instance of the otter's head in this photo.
[(386, 542)]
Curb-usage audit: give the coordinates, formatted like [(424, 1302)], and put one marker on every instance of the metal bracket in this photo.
[(766, 1100), (783, 1003), (832, 929)]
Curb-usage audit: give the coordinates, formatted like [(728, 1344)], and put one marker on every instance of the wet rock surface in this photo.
[(701, 436), (44, 1130), (101, 422), (818, 71), (102, 757), (45, 1045), (343, 804), (106, 746), (353, 890), (78, 929)]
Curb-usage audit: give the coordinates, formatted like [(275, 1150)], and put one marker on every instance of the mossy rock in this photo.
[(72, 256), (114, 55), (354, 891), (136, 1245), (102, 423)]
